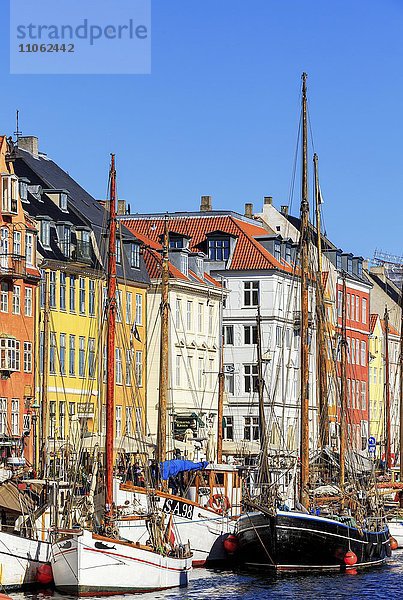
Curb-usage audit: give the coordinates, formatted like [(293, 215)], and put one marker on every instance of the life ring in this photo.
[(219, 503)]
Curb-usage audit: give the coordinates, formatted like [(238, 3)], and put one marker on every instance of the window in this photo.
[(251, 429), (250, 378), (72, 355), (62, 354), (63, 201), (27, 357), (129, 297), (139, 368), (176, 243), (210, 318), (279, 335), (83, 248), (139, 309), (3, 415), (277, 251), (62, 420), (9, 354), (4, 247), (52, 289), (128, 378), (228, 428), (364, 310), (16, 299), (229, 373), (52, 352), (135, 256), (363, 353), (348, 311), (28, 302), (288, 334), (91, 297), (81, 356), (228, 335), (72, 294), (45, 233), (118, 359), (118, 252), (72, 409), (82, 296), (4, 297), (251, 293), (118, 413), (250, 334), (178, 313), (91, 357), (357, 308), (178, 370), (200, 315), (353, 351), (9, 194), (62, 291), (15, 416), (64, 237), (218, 249), (129, 417), (211, 372), (348, 393), (352, 307), (118, 306), (200, 373), (184, 264), (189, 313), (375, 375), (17, 243), (363, 395), (339, 303), (29, 249)]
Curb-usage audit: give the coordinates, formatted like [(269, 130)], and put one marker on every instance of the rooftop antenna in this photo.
[(17, 132)]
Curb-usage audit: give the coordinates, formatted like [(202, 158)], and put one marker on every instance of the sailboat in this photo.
[(205, 514), (99, 560), (344, 532)]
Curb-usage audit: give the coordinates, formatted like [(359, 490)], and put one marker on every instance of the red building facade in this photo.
[(19, 277)]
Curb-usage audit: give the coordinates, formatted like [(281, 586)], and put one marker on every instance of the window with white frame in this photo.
[(129, 297), (16, 299), (135, 255), (28, 357), (139, 368), (45, 233), (9, 194), (211, 373), (200, 373), (128, 378), (251, 429), (29, 249), (4, 296), (178, 359), (81, 356), (229, 373), (218, 249), (364, 311), (178, 314), (251, 293), (200, 316), (72, 294), (9, 354), (139, 309), (62, 420), (250, 378), (118, 252), (62, 291), (3, 416), (228, 428), (15, 416), (250, 334), (189, 315), (228, 335), (28, 302), (118, 412), (91, 357), (363, 353), (363, 395), (119, 306), (82, 296), (91, 297), (17, 243), (52, 289), (129, 417), (4, 249), (52, 352), (118, 359), (339, 303), (357, 308), (210, 318), (72, 355)]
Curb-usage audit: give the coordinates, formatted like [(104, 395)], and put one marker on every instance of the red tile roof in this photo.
[(392, 330), (372, 322), (248, 253)]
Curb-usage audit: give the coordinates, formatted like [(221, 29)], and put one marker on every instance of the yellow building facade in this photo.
[(376, 380)]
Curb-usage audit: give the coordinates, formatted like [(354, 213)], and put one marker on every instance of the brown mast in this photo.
[(264, 475), (343, 389), (45, 376), (110, 342), (164, 364), (388, 456), (304, 448), (320, 322), (220, 408)]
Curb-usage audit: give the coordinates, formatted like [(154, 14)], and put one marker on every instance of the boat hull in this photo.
[(295, 542), (396, 531), (19, 560), (87, 565)]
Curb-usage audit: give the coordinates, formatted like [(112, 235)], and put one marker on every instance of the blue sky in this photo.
[(219, 113)]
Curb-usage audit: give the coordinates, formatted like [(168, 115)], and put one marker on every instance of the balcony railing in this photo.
[(12, 265)]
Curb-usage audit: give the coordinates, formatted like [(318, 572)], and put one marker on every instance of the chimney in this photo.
[(121, 207), (206, 204), (284, 210), (268, 200), (249, 210), (29, 143)]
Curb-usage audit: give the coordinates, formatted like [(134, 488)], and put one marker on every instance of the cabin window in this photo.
[(218, 249)]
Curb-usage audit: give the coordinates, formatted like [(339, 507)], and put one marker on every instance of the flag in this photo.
[(135, 332), (320, 199), (169, 534)]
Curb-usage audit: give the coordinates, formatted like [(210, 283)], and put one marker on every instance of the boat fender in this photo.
[(5, 597), (44, 574), (350, 558), (219, 503), (231, 544), (393, 543)]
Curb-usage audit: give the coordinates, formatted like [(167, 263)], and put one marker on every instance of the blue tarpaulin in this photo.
[(170, 468)]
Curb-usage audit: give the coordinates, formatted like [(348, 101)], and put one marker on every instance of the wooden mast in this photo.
[(220, 407), (160, 453), (343, 389), (388, 456), (264, 475), (304, 447), (45, 376), (110, 342), (320, 321), (401, 394)]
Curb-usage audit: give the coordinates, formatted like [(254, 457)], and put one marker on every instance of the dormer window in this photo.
[(83, 245), (359, 268), (288, 254), (135, 255), (64, 236), (23, 185), (63, 201), (45, 233), (349, 265), (118, 252), (277, 251), (199, 263), (184, 264), (338, 261), (176, 243), (218, 249), (9, 194)]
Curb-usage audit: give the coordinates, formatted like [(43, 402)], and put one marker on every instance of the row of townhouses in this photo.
[(224, 267)]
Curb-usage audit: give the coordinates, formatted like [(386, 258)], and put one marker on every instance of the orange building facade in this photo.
[(19, 277)]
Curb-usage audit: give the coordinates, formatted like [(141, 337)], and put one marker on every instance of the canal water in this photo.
[(382, 583)]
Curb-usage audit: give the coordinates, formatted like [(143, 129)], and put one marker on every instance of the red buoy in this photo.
[(231, 544), (44, 575), (393, 543), (350, 558)]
